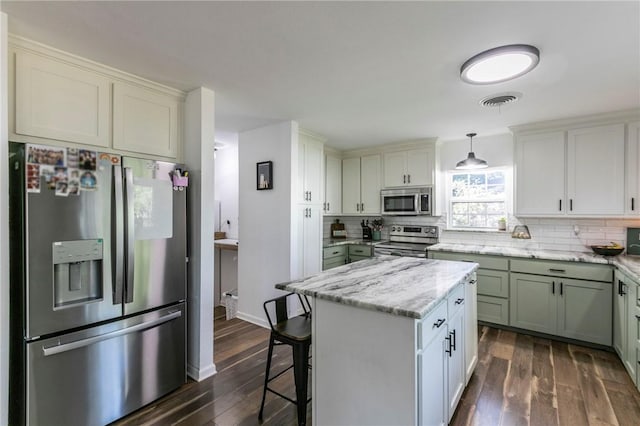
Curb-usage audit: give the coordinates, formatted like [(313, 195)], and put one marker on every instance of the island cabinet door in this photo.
[(432, 381), (455, 354)]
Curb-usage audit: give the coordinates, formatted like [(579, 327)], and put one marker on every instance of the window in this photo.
[(477, 199)]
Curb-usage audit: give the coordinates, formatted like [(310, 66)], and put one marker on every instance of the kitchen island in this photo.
[(394, 340)]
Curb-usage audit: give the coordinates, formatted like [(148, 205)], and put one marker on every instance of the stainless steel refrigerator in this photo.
[(98, 284)]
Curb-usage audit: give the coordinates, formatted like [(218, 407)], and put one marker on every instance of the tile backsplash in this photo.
[(546, 233)]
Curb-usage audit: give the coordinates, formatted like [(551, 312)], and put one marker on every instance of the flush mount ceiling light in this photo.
[(471, 162), (500, 64)]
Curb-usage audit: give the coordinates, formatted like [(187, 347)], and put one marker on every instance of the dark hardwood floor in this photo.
[(519, 380)]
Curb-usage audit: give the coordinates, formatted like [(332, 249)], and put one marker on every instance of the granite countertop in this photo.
[(329, 242), (628, 264), (404, 286)]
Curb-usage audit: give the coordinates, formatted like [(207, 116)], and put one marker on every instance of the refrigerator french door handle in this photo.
[(130, 237), (118, 235), (53, 350)]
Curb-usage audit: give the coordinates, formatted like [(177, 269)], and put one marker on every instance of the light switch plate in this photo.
[(633, 241)]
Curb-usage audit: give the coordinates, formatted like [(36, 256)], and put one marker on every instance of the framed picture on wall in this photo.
[(264, 175)]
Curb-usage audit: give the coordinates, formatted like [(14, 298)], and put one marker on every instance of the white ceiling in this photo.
[(358, 73)]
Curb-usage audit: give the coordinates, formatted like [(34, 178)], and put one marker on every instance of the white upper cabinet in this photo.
[(58, 97), (540, 165), (361, 184), (351, 185), (370, 184), (595, 170), (574, 172), (310, 160), (333, 185), (633, 169), (408, 168), (55, 100), (144, 121)]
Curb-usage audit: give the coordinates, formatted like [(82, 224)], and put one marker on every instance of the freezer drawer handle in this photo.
[(53, 350)]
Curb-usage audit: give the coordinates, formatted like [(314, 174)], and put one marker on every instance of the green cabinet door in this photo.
[(584, 310), (620, 309), (533, 304)]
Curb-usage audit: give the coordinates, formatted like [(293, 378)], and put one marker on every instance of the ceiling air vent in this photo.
[(500, 99)]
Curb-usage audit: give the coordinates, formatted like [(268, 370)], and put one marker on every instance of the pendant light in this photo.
[(471, 162)]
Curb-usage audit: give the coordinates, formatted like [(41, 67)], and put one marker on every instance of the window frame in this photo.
[(507, 198)]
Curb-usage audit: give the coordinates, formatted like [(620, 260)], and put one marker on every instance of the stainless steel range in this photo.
[(408, 240)]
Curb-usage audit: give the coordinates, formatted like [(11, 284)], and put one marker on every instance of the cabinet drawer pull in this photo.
[(439, 323), (473, 281), (459, 301), (560, 208), (553, 287), (633, 203), (560, 271), (561, 285), (453, 332), (336, 252), (448, 351), (638, 317), (404, 178), (408, 178), (571, 204)]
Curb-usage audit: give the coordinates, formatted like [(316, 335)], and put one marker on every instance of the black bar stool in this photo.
[(296, 332)]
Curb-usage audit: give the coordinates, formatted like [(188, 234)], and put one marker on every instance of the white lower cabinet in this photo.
[(456, 377), (374, 368), (470, 327), (432, 370)]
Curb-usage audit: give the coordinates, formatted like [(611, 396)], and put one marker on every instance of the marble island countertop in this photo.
[(628, 264), (404, 286)]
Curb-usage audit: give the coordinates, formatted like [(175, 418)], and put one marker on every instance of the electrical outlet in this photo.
[(576, 229)]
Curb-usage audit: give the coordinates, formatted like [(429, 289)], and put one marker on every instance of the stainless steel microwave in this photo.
[(407, 201)]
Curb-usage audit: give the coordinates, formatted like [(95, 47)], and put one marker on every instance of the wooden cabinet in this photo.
[(632, 169), (56, 100), (595, 170), (540, 190), (310, 161), (533, 303), (359, 252), (333, 185), (61, 97), (578, 172), (145, 121), (456, 372), (309, 232), (432, 380), (470, 327), (566, 307), (361, 185), (625, 322), (492, 284), (334, 256), (408, 168)]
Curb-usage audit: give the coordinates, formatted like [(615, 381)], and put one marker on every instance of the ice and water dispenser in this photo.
[(77, 272)]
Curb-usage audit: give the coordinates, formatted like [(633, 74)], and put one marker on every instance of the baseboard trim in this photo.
[(253, 319), (199, 374)]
